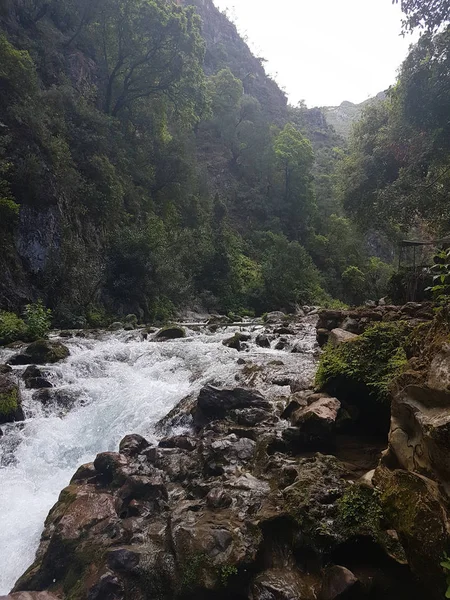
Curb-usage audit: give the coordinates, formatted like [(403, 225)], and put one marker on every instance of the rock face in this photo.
[(41, 352), (414, 475), (225, 510)]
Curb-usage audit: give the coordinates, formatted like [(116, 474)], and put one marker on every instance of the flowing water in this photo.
[(123, 385)]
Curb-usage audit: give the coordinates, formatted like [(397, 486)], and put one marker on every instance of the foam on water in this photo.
[(123, 386)]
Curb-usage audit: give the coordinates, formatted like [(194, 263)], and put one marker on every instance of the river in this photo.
[(123, 384)]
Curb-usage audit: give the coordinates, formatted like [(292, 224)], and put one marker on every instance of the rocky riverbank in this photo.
[(259, 490)]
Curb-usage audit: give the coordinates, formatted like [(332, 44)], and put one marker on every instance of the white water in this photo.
[(125, 386)]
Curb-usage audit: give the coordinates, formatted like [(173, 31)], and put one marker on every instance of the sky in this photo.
[(324, 51)]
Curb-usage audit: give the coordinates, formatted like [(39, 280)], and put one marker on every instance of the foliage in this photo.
[(372, 360), (398, 168), (38, 320), (441, 277), (12, 328), (429, 14), (445, 564)]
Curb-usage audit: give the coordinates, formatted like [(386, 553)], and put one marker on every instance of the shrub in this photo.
[(37, 319), (12, 328)]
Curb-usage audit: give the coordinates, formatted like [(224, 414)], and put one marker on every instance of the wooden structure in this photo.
[(415, 259)]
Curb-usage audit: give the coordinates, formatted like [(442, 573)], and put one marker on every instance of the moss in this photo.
[(192, 571), (372, 360), (360, 512), (225, 573), (9, 402)]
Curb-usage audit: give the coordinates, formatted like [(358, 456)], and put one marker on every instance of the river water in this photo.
[(123, 385)]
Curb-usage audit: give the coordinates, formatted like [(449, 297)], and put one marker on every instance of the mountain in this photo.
[(343, 116)]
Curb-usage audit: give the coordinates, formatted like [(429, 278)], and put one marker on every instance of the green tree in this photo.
[(429, 14), (150, 49), (294, 159)]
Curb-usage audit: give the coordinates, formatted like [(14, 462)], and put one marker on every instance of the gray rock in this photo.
[(340, 336)]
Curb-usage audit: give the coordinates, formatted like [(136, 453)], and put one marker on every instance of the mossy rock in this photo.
[(171, 332), (131, 319), (414, 507), (372, 360), (116, 326), (41, 352), (10, 408), (236, 340)]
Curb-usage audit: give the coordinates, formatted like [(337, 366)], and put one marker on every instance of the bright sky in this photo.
[(324, 51)]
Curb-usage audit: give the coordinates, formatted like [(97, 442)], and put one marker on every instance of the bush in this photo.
[(37, 319), (12, 328)]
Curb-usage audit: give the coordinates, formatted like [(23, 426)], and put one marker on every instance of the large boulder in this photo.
[(340, 336), (10, 400), (338, 582), (275, 317), (217, 403), (41, 352), (170, 333)]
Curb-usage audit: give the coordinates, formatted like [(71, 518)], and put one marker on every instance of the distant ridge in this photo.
[(343, 116)]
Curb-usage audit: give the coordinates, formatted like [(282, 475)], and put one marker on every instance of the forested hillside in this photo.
[(148, 163)]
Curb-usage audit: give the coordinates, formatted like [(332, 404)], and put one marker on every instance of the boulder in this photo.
[(439, 371), (313, 426), (5, 369), (351, 325), (10, 400), (236, 340), (132, 319), (116, 326), (63, 398), (263, 340), (216, 403), (41, 352), (37, 383), (340, 336), (31, 371), (274, 317), (337, 583), (170, 333)]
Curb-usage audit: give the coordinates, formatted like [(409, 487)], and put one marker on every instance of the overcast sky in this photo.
[(324, 51)]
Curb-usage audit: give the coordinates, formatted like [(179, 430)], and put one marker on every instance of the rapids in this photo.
[(123, 385)]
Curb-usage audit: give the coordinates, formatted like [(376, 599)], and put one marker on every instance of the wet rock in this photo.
[(133, 444), (37, 383), (215, 403), (283, 584), (10, 400), (218, 498), (337, 583), (63, 398), (110, 466), (170, 333), (340, 336), (263, 340), (41, 352), (109, 587), (183, 442), (281, 344), (31, 371), (123, 559), (284, 331), (4, 369), (236, 341)]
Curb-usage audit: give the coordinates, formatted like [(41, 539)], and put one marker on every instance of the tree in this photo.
[(425, 14), (150, 49), (294, 158)]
